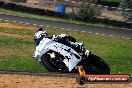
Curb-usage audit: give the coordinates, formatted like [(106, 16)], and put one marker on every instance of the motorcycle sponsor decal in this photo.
[(108, 78), (113, 78), (71, 53), (67, 49), (58, 46), (77, 56), (63, 48)]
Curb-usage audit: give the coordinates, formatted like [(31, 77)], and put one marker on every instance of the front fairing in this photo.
[(40, 49), (72, 58)]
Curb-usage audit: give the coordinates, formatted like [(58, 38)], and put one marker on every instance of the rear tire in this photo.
[(95, 65)]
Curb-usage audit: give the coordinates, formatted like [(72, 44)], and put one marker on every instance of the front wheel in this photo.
[(95, 65), (53, 64)]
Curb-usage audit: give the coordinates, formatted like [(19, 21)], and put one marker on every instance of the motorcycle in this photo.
[(60, 57)]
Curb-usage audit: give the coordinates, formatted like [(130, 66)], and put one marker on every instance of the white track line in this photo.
[(89, 32), (111, 35), (123, 37), (63, 28), (83, 31), (6, 20), (21, 22), (14, 21), (41, 25), (47, 26), (27, 23), (34, 24), (97, 33), (103, 34), (74, 30), (55, 27), (127, 38), (68, 29)]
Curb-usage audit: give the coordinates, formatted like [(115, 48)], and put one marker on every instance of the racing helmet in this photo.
[(41, 33)]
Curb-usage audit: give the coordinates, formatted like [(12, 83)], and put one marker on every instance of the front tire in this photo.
[(54, 64)]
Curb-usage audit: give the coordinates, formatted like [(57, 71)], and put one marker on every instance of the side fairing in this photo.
[(72, 58)]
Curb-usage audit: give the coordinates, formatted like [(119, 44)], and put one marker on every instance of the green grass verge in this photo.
[(21, 64), (113, 0), (19, 13), (16, 55), (16, 52)]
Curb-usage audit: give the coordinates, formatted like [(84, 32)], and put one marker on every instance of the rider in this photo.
[(40, 34)]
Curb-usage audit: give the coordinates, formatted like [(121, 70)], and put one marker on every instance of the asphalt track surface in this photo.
[(69, 26)]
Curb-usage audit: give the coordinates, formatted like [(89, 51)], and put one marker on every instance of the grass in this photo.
[(19, 13), (21, 64), (113, 0), (17, 46), (16, 55)]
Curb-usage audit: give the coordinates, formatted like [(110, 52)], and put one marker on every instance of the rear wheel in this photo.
[(95, 65), (53, 64)]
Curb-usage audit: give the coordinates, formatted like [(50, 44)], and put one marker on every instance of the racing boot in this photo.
[(87, 53)]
